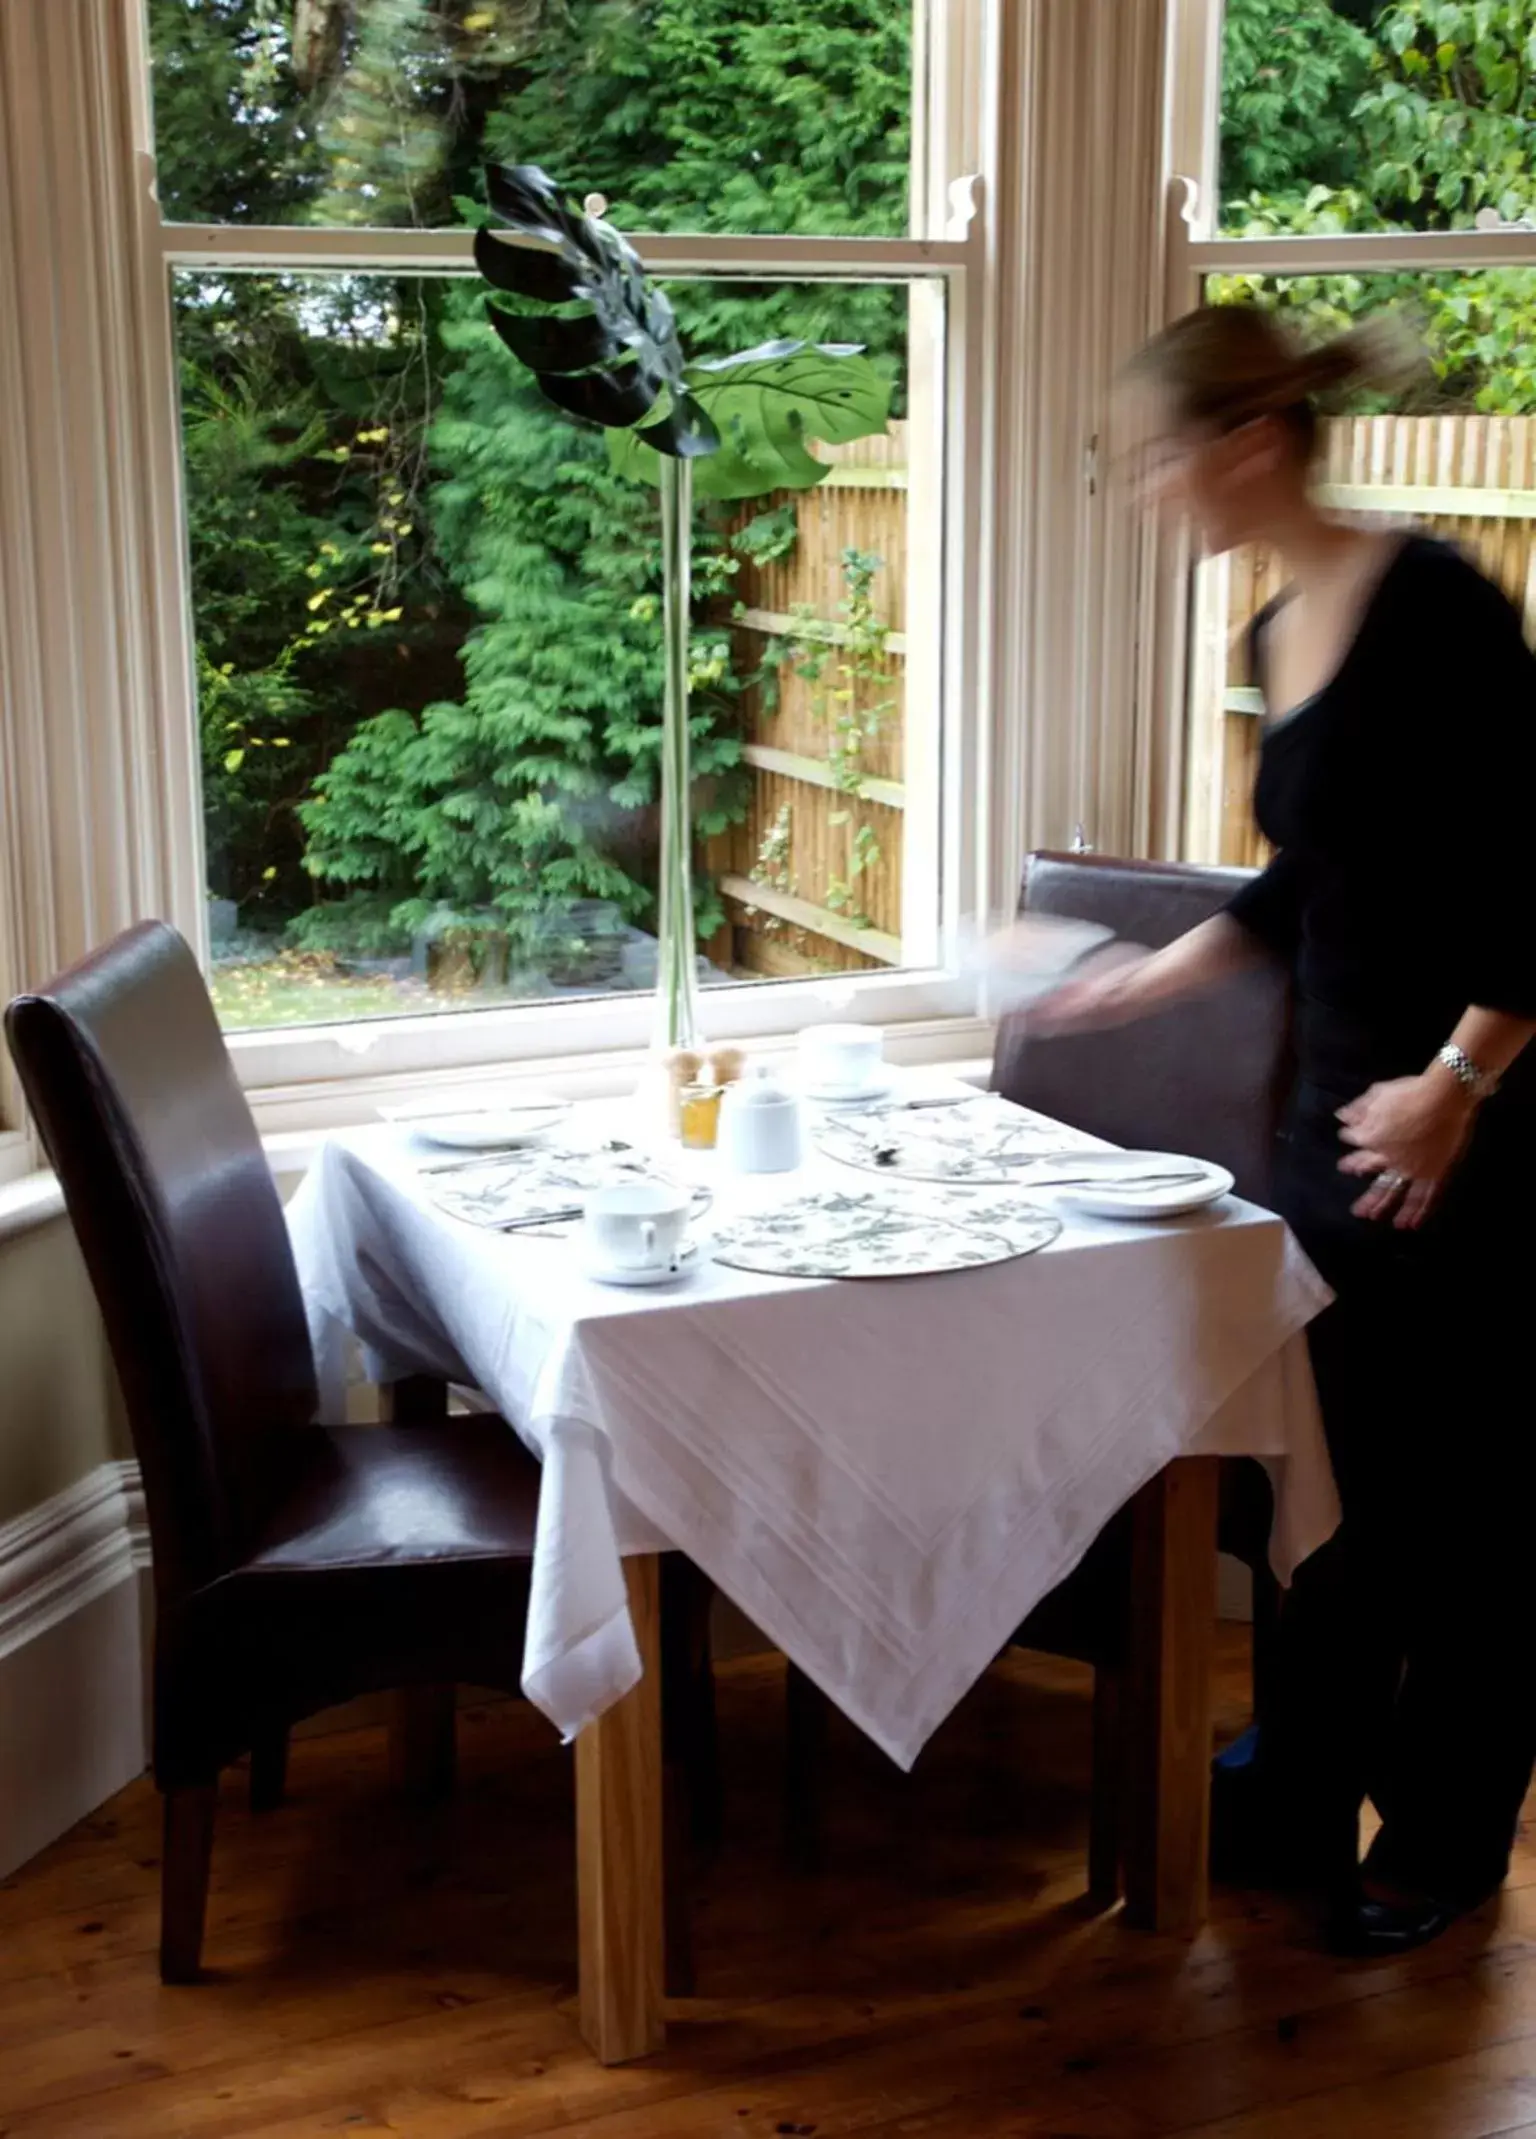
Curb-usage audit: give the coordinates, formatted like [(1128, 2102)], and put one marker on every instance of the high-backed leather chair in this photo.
[(295, 1565), (1207, 1078)]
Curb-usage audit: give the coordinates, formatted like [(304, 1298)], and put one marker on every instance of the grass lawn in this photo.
[(308, 988), (305, 988)]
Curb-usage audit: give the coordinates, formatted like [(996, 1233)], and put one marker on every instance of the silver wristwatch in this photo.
[(1477, 1083)]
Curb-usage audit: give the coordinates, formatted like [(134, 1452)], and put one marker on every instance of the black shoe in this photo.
[(1372, 1929)]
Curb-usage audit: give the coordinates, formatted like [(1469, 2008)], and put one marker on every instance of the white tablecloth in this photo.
[(885, 1477)]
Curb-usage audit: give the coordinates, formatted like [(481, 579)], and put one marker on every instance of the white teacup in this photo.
[(636, 1225), (841, 1059)]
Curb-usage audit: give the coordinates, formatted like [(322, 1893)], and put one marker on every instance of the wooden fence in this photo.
[(1470, 479), (813, 879)]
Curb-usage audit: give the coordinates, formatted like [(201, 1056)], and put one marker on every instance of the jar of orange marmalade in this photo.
[(699, 1116)]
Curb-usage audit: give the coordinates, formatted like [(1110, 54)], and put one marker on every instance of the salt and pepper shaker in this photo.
[(680, 1067), (724, 1065)]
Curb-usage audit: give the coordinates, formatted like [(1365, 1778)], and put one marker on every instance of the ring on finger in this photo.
[(1391, 1183)]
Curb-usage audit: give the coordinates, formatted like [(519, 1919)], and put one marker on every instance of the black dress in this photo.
[(1402, 802)]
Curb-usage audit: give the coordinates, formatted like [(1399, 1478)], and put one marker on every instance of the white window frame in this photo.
[(1197, 251), (1048, 627), (302, 1072)]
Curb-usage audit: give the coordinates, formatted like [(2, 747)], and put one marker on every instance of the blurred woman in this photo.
[(1397, 786)]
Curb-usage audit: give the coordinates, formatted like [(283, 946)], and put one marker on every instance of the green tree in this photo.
[(499, 808), (1293, 72), (1442, 128), (740, 115), (1449, 116), (532, 788), (315, 588)]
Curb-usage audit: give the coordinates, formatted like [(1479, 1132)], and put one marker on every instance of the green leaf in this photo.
[(766, 403), (620, 362)]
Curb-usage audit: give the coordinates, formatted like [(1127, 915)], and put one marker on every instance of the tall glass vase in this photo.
[(677, 985)]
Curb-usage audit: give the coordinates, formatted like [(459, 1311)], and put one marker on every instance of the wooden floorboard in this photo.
[(382, 1967)]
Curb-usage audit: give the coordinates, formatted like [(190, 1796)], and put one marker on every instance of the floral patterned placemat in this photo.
[(986, 1139), (537, 1186), (864, 1233)]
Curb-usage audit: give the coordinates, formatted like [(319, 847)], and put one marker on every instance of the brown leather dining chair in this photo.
[(295, 1565), (1205, 1078)]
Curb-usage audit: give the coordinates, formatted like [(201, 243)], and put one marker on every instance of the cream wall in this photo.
[(60, 1414)]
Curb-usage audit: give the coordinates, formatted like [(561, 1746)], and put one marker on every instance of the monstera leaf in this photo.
[(764, 405), (618, 362)]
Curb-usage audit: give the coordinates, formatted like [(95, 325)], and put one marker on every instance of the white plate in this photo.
[(480, 1128), (1137, 1200), (687, 1260)]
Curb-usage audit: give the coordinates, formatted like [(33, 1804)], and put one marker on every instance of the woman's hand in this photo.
[(1103, 992), (1407, 1135)]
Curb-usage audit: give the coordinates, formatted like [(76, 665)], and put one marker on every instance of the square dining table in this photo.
[(885, 1476)]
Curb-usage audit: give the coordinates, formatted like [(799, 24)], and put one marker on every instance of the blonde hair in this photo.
[(1228, 365)]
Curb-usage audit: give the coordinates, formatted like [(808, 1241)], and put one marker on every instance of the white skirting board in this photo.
[(72, 1707)]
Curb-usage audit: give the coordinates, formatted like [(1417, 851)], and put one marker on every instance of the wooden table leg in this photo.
[(619, 1850), (1168, 1748), (422, 1750)]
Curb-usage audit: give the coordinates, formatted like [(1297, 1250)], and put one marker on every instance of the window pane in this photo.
[(734, 115), (1455, 454), (429, 659), (1353, 115)]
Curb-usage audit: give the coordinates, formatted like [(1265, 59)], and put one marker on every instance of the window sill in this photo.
[(962, 1046), (598, 1037), (317, 1102), (31, 1201)]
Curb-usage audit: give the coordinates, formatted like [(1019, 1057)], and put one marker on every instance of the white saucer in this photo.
[(1137, 1200), (842, 1095), (687, 1262)]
